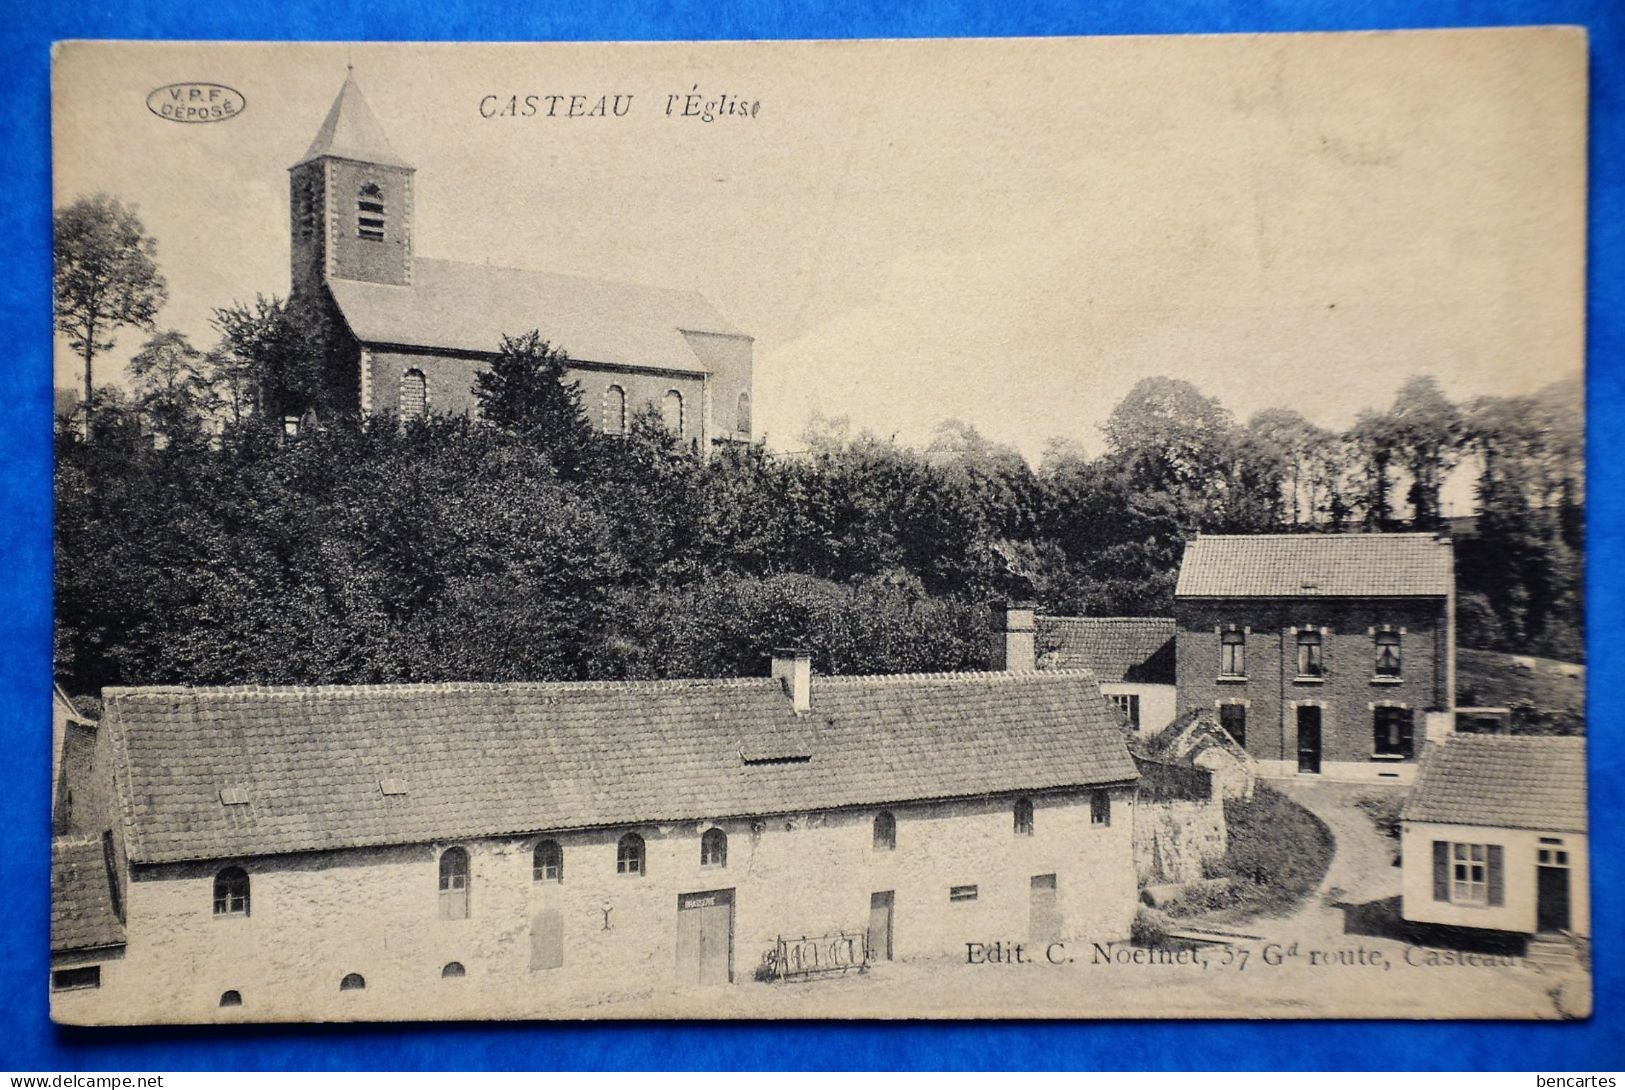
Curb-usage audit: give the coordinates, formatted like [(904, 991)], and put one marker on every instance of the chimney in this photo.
[(793, 667), (1015, 644)]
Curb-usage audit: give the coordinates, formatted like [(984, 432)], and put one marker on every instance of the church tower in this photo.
[(351, 200)]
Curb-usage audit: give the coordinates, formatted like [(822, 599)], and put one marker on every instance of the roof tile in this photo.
[(1316, 566), (491, 759), (1505, 781)]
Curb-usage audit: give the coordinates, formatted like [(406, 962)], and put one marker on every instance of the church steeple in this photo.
[(351, 131), (351, 201)]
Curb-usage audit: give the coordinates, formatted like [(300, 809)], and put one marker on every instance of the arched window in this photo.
[(1024, 817), (369, 216), (232, 998), (452, 970), (454, 884), (885, 831), (547, 864), (671, 412), (231, 892), (414, 395), (714, 848), (614, 411), (307, 208), (629, 855), (742, 415), (1309, 664), (353, 982)]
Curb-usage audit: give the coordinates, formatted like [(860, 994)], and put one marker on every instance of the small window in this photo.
[(547, 863), (614, 411), (742, 415), (885, 831), (454, 884), (353, 982), (961, 893), (1388, 661), (1024, 817), (1309, 654), (232, 998), (1127, 706), (369, 220), (1233, 718), (1393, 731), (714, 848), (671, 413), (1233, 654), (414, 395), (231, 892), (629, 855), (1469, 874), (1100, 807), (69, 980), (452, 970)]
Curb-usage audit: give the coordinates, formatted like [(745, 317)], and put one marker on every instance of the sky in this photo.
[(1009, 233)]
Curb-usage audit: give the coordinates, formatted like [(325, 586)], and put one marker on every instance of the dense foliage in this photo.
[(199, 542)]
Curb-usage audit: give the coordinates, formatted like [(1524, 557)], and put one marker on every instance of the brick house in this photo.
[(407, 334), (1493, 836), (504, 850), (1323, 654), (1132, 657)]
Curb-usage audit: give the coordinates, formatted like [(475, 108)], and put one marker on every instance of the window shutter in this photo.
[(1441, 871), (1497, 885)]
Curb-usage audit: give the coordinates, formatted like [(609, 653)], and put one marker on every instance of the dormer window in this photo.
[(369, 220)]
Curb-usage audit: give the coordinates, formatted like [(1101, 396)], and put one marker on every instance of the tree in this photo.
[(172, 384), (1295, 443), (524, 392), (106, 277), (1426, 432), (1373, 437)]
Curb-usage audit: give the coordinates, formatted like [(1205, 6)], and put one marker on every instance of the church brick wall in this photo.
[(315, 918), (450, 383)]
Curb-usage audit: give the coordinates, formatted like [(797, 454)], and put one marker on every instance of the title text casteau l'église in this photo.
[(692, 104)]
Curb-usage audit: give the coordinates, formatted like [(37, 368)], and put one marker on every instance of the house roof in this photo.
[(1505, 781), (351, 131), (1316, 566), (1113, 648), (465, 307), (82, 912), (493, 759)]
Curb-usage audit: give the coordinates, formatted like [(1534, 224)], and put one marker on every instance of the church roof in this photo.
[(352, 132), (465, 307)]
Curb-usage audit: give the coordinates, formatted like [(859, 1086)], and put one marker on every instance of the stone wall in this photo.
[(316, 918), (1174, 840)]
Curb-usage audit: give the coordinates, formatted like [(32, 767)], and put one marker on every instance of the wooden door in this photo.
[(705, 937), (881, 915), (1044, 921), (1309, 739), (1552, 899)]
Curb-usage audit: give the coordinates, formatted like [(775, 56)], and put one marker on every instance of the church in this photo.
[(406, 334)]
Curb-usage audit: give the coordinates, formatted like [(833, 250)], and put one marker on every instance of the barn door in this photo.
[(546, 940), (705, 937), (881, 909), (1044, 922)]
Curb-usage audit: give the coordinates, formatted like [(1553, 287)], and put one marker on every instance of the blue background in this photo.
[(29, 1042)]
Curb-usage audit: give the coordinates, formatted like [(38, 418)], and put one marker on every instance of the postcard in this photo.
[(1011, 528)]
